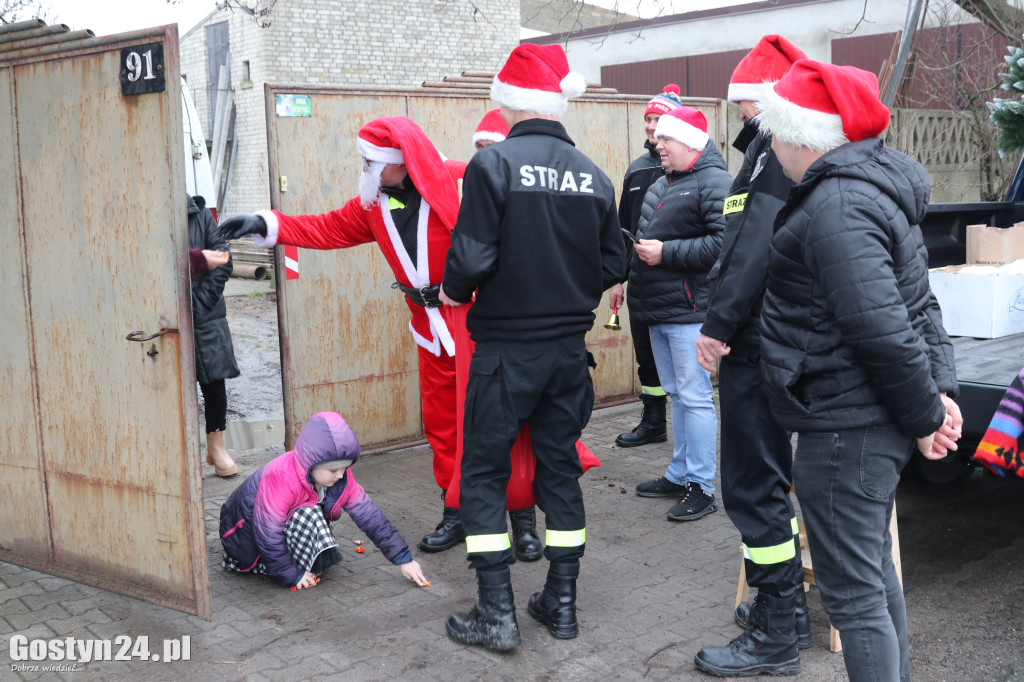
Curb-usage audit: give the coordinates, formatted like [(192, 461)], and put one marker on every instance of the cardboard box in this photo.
[(994, 245), (982, 301)]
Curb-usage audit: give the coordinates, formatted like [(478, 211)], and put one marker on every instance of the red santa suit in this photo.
[(398, 140)]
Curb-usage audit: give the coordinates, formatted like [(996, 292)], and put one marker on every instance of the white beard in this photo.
[(369, 184)]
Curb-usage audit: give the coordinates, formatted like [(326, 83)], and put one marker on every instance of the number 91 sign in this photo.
[(142, 69)]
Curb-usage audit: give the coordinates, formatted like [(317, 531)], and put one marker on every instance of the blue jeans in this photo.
[(694, 422), (846, 484)]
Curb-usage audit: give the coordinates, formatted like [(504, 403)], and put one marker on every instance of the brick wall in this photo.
[(341, 42)]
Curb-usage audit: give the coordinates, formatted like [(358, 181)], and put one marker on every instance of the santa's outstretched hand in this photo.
[(242, 225)]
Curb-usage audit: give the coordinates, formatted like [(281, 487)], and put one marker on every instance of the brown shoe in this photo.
[(217, 455)]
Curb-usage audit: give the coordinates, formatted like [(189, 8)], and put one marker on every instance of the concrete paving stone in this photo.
[(22, 590), (35, 631), (28, 617), (76, 625)]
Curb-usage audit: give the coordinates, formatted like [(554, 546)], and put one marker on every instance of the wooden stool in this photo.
[(834, 644)]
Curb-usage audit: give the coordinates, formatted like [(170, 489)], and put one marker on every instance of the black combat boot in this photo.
[(768, 646), (556, 605), (525, 542), (651, 428), (801, 620), (492, 622), (447, 534)]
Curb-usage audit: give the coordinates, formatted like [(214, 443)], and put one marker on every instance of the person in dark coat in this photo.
[(277, 522), (639, 177), (756, 455), (215, 357), (854, 356), (681, 224)]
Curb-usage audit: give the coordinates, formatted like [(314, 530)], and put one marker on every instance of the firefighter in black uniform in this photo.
[(756, 455), (639, 177), (538, 240)]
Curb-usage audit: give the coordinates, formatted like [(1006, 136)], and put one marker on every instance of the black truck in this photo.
[(984, 367)]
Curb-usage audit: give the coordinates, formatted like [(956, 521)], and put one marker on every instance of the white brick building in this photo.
[(335, 42)]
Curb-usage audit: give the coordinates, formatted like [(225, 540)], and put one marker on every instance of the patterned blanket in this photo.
[(1000, 449)]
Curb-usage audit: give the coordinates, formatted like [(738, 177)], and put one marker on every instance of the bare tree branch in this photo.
[(12, 11), (999, 15)]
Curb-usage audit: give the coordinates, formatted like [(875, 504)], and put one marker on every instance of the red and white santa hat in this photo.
[(766, 63), (492, 127), (665, 102), (397, 139), (822, 106), (686, 125), (536, 78)]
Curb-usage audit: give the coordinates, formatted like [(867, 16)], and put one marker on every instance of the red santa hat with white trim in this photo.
[(685, 124), (766, 63), (536, 78), (398, 140), (822, 106), (492, 127)]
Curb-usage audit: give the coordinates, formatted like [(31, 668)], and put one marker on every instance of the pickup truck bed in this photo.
[(984, 368)]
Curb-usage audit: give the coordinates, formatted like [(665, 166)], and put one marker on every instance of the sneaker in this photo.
[(660, 487), (695, 504)]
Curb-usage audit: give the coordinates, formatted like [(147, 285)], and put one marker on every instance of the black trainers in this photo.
[(695, 504), (660, 487)]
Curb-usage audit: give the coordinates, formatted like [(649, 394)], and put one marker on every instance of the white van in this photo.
[(198, 171)]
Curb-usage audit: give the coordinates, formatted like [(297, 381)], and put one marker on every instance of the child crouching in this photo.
[(277, 522)]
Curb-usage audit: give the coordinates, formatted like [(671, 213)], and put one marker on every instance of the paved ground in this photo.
[(651, 592)]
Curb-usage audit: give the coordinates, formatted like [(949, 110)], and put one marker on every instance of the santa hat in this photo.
[(768, 61), (492, 127), (536, 78), (665, 102), (822, 106), (395, 140), (686, 125)]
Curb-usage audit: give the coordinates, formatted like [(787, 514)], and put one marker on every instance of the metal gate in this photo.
[(100, 480), (345, 344)]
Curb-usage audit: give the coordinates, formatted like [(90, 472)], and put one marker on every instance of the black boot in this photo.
[(801, 620), (651, 428), (447, 534), (556, 605), (525, 542), (768, 646), (492, 622)]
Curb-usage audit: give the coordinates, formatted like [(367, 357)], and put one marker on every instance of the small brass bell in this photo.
[(613, 321)]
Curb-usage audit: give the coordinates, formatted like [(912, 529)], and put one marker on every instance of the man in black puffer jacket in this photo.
[(680, 233), (639, 177), (854, 355)]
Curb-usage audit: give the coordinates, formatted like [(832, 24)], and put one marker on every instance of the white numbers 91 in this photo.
[(137, 63)]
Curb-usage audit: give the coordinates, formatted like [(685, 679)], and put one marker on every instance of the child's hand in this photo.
[(308, 580), (215, 259), (413, 572)]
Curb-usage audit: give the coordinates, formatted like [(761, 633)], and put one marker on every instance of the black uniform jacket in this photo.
[(537, 237), (684, 211), (738, 278), (852, 334)]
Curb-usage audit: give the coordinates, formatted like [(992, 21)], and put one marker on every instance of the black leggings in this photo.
[(216, 399)]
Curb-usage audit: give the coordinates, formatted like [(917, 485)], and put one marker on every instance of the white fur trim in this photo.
[(739, 92), (573, 85), (487, 135), (372, 152), (678, 129), (418, 275), (799, 126), (522, 99), (270, 218)]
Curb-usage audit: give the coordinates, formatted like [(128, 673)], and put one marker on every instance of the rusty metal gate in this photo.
[(100, 480), (345, 344)]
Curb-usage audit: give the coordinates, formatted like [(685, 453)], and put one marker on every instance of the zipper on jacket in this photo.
[(693, 301)]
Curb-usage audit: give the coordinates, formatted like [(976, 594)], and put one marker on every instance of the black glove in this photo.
[(242, 225)]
